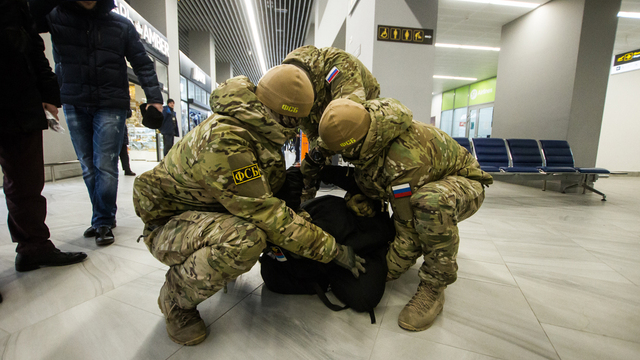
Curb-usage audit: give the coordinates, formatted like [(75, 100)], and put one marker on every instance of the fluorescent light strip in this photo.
[(505, 3), (628, 14), (453, 77), (256, 37), (468, 47)]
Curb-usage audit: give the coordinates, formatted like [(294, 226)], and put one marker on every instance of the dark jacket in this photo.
[(27, 79), (169, 123), (89, 48)]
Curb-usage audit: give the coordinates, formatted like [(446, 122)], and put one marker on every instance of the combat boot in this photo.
[(422, 309), (184, 326)]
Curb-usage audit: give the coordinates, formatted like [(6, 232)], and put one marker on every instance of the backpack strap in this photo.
[(325, 300), (373, 316)]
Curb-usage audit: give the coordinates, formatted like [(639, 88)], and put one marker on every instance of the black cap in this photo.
[(151, 117)]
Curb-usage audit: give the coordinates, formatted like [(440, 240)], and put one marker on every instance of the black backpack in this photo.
[(287, 273)]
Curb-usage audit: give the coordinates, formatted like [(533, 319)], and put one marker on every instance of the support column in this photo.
[(224, 71), (553, 71), (404, 70), (202, 51)]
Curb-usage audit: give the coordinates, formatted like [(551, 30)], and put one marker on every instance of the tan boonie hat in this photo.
[(287, 90), (344, 123)]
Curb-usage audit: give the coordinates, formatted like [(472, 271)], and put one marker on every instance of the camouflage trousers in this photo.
[(437, 207), (205, 250)]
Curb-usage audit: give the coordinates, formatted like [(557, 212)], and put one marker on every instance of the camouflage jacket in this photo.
[(398, 150), (352, 81), (231, 163)]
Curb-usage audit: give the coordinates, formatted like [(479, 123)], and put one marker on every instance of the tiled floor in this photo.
[(542, 275)]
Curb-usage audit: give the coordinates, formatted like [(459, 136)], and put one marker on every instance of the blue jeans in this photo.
[(97, 136)]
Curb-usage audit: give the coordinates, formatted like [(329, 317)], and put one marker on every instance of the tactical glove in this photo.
[(348, 259), (310, 167)]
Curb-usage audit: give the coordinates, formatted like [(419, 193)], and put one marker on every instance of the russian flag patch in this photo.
[(402, 190), (332, 74)]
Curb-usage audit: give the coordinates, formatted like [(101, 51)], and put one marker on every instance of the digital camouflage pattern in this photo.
[(354, 81), (231, 164), (445, 180)]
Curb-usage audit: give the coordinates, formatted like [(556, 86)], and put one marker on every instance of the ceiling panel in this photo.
[(283, 24)]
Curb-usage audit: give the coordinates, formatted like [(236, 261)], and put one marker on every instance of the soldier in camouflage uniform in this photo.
[(335, 74), (208, 207), (431, 182)]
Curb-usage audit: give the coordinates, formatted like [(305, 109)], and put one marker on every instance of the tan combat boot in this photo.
[(184, 326), (422, 309)]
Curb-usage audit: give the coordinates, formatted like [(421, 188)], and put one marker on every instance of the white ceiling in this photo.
[(468, 23), (283, 24)]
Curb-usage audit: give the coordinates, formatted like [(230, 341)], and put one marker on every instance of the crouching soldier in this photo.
[(208, 207), (431, 182), (335, 74)]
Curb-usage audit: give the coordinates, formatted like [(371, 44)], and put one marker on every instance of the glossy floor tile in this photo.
[(542, 275)]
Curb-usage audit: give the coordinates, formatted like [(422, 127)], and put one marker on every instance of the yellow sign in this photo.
[(245, 174), (395, 33), (418, 35), (405, 34), (383, 33)]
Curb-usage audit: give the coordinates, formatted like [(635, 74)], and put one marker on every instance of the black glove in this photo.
[(348, 259)]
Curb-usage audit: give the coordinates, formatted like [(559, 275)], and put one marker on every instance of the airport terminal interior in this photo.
[(543, 273)]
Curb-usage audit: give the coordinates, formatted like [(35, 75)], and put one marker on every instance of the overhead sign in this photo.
[(405, 35), (152, 39), (626, 62)]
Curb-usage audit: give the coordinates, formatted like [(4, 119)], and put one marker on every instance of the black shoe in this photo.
[(129, 173), (49, 258), (104, 236), (91, 231)]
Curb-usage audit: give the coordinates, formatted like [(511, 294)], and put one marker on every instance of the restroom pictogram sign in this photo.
[(405, 35)]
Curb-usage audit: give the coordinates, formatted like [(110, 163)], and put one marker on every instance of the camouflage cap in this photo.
[(344, 123), (287, 90)]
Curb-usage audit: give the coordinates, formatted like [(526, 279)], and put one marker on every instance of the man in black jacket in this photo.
[(90, 45), (28, 87), (169, 128)]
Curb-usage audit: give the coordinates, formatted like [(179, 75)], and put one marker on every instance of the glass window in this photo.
[(486, 122), (190, 90), (184, 109), (446, 120), (183, 88), (163, 76), (459, 128)]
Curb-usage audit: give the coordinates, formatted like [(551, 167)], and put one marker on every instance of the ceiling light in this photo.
[(468, 47), (256, 37), (505, 3), (453, 77), (627, 14)]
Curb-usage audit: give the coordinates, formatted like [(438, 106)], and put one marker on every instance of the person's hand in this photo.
[(52, 109), (348, 259), (156, 105)]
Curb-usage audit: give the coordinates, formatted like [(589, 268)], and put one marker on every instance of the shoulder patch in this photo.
[(246, 174), (332, 74), (401, 190)]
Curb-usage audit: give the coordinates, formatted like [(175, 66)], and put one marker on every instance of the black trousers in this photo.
[(167, 139), (124, 158), (23, 167)]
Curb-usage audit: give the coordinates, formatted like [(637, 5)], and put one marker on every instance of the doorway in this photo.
[(480, 121)]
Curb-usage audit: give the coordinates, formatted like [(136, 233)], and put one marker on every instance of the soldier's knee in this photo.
[(253, 239)]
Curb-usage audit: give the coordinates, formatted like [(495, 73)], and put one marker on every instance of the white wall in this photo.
[(360, 34), (619, 146), (329, 21), (436, 108)]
